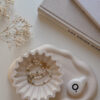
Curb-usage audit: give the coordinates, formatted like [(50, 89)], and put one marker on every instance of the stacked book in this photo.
[(70, 17)]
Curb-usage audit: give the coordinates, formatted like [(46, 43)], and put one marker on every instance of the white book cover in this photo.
[(91, 8), (68, 15)]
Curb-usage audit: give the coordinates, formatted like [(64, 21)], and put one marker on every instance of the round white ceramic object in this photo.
[(76, 86), (36, 76)]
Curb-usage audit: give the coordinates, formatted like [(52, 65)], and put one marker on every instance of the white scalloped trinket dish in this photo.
[(36, 76)]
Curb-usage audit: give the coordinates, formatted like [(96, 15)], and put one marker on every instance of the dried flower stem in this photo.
[(17, 32), (4, 7)]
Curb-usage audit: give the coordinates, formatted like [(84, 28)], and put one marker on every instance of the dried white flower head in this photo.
[(4, 7), (17, 32)]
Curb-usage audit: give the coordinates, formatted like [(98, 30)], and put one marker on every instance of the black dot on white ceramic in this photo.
[(75, 87)]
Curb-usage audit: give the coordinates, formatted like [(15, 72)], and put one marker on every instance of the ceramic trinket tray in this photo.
[(38, 75)]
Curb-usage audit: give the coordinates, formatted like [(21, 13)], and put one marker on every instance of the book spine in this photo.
[(67, 27), (83, 39)]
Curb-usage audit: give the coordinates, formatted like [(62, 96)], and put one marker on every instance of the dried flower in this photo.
[(17, 33), (4, 6)]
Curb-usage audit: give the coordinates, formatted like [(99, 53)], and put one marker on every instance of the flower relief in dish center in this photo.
[(37, 71)]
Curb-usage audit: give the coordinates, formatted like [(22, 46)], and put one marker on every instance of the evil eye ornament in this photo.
[(76, 86)]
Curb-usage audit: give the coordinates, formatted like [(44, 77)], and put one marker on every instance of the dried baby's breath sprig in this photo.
[(4, 7), (17, 32)]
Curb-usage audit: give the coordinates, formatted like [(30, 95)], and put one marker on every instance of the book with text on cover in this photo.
[(69, 16)]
